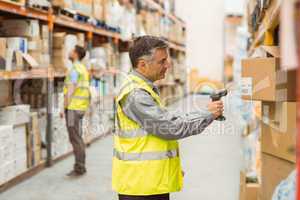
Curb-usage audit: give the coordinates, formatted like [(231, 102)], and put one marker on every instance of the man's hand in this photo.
[(216, 108)]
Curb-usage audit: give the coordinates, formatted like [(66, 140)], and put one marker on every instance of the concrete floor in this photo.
[(211, 161)]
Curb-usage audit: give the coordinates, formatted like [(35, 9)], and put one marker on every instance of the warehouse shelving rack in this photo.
[(269, 23), (8, 8), (265, 36)]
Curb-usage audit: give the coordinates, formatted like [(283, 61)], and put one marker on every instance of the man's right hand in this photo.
[(216, 108)]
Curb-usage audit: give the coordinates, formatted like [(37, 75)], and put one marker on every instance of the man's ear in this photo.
[(142, 64)]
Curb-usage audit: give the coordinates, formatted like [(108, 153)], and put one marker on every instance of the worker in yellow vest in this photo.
[(146, 161), (76, 103)]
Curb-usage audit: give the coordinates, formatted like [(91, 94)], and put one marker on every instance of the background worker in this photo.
[(146, 162), (76, 103)]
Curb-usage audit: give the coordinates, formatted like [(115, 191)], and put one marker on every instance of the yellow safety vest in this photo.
[(143, 164), (81, 96)]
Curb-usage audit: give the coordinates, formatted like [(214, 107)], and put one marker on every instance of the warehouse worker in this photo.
[(76, 102), (146, 162)]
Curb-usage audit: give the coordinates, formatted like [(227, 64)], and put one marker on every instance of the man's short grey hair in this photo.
[(144, 47)]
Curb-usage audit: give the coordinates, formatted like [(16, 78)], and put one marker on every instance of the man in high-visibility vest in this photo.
[(146, 162), (76, 103)]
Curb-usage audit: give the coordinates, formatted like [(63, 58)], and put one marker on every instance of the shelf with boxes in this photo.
[(266, 81), (263, 19), (163, 11)]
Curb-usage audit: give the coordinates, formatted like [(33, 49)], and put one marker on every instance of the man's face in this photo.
[(73, 55), (156, 68)]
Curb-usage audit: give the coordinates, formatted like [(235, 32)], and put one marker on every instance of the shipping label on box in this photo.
[(247, 86)]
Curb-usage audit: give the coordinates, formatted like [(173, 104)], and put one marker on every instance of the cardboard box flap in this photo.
[(30, 60), (266, 51)]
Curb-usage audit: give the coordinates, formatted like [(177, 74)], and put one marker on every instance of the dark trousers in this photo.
[(152, 197), (74, 126)]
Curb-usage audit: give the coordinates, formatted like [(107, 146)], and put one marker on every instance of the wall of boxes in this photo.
[(273, 87), (32, 56)]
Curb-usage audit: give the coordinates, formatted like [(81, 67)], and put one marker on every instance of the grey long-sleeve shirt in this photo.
[(142, 108)]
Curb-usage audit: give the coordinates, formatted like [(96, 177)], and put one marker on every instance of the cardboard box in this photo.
[(263, 81), (59, 53), (80, 39), (45, 62), (20, 28), (35, 45), (279, 129), (242, 185), (83, 6), (99, 9), (59, 40), (37, 56), (45, 32), (62, 3), (15, 115), (2, 53), (252, 191), (2, 47), (45, 46), (6, 97), (280, 115), (274, 170)]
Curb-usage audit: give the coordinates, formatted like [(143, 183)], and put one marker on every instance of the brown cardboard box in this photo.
[(274, 170), (35, 44), (280, 115), (20, 28), (59, 40), (99, 9), (36, 55), (252, 191), (84, 7), (263, 81), (59, 53), (62, 3), (279, 129), (45, 32), (2, 47), (80, 39), (45, 46), (58, 62), (242, 185), (6, 98)]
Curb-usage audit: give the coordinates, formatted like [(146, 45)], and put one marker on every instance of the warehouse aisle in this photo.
[(211, 163)]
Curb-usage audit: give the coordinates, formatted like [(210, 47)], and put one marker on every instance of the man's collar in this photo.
[(154, 87), (136, 73)]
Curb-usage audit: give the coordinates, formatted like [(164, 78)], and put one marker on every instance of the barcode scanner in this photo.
[(216, 97)]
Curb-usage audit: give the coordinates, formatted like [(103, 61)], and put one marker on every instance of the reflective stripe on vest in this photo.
[(80, 97), (146, 155), (132, 133)]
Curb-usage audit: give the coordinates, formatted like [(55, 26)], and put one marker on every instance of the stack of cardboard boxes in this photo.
[(13, 151), (264, 80), (22, 46)]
